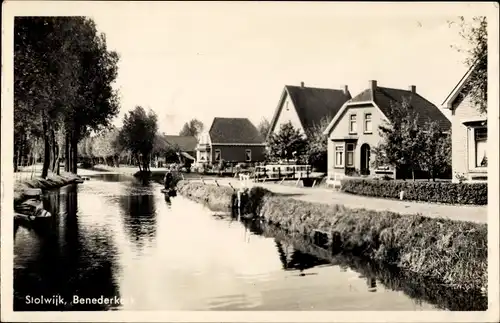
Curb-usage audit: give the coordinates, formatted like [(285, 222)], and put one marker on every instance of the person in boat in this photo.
[(168, 179)]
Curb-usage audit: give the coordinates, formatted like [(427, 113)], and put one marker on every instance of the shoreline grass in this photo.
[(412, 285), (451, 252)]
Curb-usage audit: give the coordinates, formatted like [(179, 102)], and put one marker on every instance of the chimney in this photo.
[(345, 88), (373, 84), (412, 89), (301, 84)]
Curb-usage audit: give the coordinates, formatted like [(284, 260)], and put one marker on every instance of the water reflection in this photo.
[(293, 259), (372, 284), (139, 214), (60, 260), (419, 289), (116, 236), (168, 200)]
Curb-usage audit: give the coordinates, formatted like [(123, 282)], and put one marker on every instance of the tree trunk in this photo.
[(75, 155), (57, 158), (54, 151), (66, 151), (16, 162), (46, 148), (33, 159), (139, 163), (413, 174), (70, 153)]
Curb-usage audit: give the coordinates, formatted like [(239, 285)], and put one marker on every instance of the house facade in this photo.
[(234, 140), (469, 134), (353, 132), (306, 107)]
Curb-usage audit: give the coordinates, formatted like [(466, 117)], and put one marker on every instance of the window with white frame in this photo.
[(248, 155), (349, 155), (368, 123), (352, 124), (339, 155), (480, 146), (217, 155)]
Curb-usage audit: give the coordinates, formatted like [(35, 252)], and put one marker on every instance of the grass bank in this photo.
[(222, 197), (454, 253), (216, 197), (52, 181)]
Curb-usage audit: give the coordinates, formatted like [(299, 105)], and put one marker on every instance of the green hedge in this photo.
[(440, 192)]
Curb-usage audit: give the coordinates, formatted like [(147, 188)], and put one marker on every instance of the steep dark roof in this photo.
[(185, 143), (383, 97), (314, 104), (234, 131)]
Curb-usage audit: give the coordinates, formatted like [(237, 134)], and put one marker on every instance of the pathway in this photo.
[(477, 214)]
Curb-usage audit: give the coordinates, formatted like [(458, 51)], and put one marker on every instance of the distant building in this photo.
[(469, 133), (352, 133), (306, 106), (232, 140), (186, 144)]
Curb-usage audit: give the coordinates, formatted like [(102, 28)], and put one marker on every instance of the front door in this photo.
[(365, 159)]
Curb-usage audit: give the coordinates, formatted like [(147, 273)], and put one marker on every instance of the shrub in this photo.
[(440, 192), (255, 199)]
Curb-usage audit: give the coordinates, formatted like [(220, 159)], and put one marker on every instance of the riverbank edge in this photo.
[(399, 280), (51, 182), (451, 252)]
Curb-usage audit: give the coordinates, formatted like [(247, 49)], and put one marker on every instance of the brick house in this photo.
[(353, 132), (469, 133), (232, 140), (306, 106)]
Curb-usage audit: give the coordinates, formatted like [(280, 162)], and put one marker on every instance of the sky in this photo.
[(187, 61)]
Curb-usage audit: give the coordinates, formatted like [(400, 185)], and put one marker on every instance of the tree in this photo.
[(317, 145), (435, 157), (287, 144), (138, 134), (264, 127), (402, 139), (192, 128), (63, 84), (475, 33)]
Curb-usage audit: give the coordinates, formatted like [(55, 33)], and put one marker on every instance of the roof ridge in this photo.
[(232, 118), (314, 88)]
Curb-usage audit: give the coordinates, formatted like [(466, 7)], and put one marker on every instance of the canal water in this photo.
[(118, 243)]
